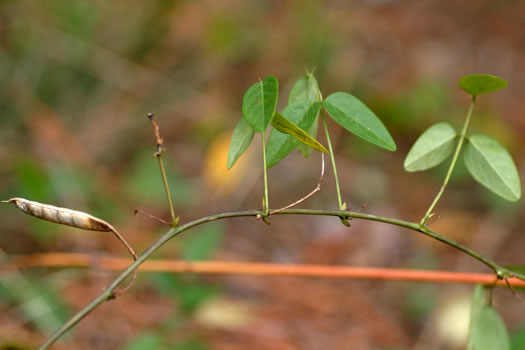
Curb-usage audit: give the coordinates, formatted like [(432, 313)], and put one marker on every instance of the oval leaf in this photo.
[(303, 113), (259, 103), (475, 309), (285, 126), (481, 83), (356, 117), (431, 148), (492, 166), (306, 88), (241, 139), (489, 331)]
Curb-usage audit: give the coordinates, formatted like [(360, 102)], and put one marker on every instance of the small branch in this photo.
[(314, 191), (138, 211), (500, 271), (264, 269), (158, 155)]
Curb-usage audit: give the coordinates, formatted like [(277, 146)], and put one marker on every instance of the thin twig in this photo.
[(132, 252), (265, 269), (138, 211), (314, 191), (511, 287), (158, 138), (158, 154)]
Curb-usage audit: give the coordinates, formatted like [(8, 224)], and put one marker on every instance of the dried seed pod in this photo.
[(59, 215), (69, 217)]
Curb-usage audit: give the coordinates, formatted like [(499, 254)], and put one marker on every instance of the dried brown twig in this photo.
[(156, 131), (158, 155)]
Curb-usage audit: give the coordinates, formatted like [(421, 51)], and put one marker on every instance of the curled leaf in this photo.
[(287, 127), (305, 150), (302, 113)]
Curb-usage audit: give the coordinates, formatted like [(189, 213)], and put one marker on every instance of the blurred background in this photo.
[(78, 78)]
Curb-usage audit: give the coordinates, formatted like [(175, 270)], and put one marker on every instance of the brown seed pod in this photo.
[(69, 217), (59, 215)]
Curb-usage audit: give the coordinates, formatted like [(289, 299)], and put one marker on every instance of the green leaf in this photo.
[(431, 148), (241, 139), (516, 268), (259, 103), (492, 166), (517, 271), (489, 332), (475, 309), (356, 117), (305, 150), (285, 126), (305, 88), (481, 83), (303, 113), (517, 339)]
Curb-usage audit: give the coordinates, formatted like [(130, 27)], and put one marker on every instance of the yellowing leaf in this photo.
[(287, 127)]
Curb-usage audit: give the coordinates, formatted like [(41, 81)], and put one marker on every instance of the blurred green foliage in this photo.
[(143, 182), (35, 298), (79, 76), (517, 339)]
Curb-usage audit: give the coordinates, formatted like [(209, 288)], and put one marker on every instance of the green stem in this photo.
[(266, 205), (452, 164), (107, 294), (174, 220), (332, 159)]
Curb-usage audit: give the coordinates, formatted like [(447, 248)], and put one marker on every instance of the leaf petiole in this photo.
[(332, 159), (266, 209)]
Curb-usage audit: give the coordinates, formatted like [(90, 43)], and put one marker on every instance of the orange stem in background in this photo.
[(266, 269)]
